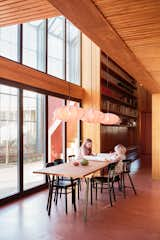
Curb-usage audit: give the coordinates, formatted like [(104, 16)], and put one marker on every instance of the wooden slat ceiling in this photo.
[(19, 11), (128, 31), (138, 24)]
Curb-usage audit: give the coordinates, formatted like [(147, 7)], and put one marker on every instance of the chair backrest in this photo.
[(55, 162), (111, 170), (51, 164), (71, 157), (127, 165)]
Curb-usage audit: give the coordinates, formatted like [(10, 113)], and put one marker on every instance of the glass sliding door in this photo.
[(73, 134), (56, 47), (9, 42), (34, 44), (8, 141), (73, 54), (55, 130), (33, 137)]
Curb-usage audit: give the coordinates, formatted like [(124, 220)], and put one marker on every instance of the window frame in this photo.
[(20, 50), (46, 94)]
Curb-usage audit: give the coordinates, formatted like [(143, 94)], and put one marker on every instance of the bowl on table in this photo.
[(84, 162)]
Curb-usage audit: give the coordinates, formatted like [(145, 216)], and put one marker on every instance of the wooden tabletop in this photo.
[(69, 170)]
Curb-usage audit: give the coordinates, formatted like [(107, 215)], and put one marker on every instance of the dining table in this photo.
[(77, 172)]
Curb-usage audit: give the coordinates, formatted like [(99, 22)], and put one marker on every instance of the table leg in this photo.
[(86, 200), (51, 193)]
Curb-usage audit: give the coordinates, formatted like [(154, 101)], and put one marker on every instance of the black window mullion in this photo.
[(20, 150), (65, 49), (46, 129), (46, 68), (21, 44)]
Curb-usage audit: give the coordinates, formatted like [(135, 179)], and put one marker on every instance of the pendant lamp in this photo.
[(111, 119), (92, 116), (68, 113)]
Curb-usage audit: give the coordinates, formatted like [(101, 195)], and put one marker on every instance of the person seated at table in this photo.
[(85, 149), (118, 156)]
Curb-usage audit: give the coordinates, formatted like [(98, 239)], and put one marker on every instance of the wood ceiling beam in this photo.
[(86, 16)]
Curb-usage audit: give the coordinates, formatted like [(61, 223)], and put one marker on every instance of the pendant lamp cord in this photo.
[(91, 79), (107, 70)]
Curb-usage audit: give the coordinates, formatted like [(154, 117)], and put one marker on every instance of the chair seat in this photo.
[(105, 178), (63, 183)]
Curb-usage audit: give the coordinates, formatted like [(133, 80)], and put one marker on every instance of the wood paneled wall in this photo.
[(156, 136), (16, 72), (91, 84), (145, 127), (111, 136)]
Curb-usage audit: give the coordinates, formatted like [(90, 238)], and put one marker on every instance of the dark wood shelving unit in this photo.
[(118, 92)]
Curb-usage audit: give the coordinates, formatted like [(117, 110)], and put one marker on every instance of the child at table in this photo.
[(118, 156)]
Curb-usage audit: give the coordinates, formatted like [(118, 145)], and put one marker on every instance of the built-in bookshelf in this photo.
[(118, 92)]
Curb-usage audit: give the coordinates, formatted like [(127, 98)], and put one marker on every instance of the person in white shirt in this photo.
[(118, 156)]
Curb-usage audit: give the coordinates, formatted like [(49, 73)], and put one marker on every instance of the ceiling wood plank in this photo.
[(138, 24), (19, 11), (87, 17)]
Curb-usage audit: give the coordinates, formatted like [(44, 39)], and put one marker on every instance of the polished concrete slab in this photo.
[(133, 218)]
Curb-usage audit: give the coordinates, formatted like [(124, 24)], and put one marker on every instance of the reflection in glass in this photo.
[(56, 53), (34, 44), (8, 140), (55, 130), (33, 137), (9, 42), (73, 54), (73, 134)]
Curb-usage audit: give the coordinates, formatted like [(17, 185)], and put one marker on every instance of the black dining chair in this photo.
[(105, 182), (126, 172), (60, 186)]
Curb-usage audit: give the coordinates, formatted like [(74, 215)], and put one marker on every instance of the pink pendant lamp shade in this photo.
[(68, 113), (92, 116), (111, 119)]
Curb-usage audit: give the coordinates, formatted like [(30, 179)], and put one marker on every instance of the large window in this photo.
[(33, 137), (55, 130), (8, 140), (73, 54), (62, 49), (34, 44), (56, 47), (9, 42), (23, 113)]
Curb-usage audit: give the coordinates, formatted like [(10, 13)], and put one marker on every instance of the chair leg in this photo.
[(78, 189), (114, 195), (120, 184), (66, 200), (61, 193), (57, 190), (110, 196), (123, 185), (91, 185), (133, 187), (96, 190), (74, 198), (102, 187)]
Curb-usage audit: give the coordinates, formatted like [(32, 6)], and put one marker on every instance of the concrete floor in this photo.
[(133, 218), (9, 177)]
